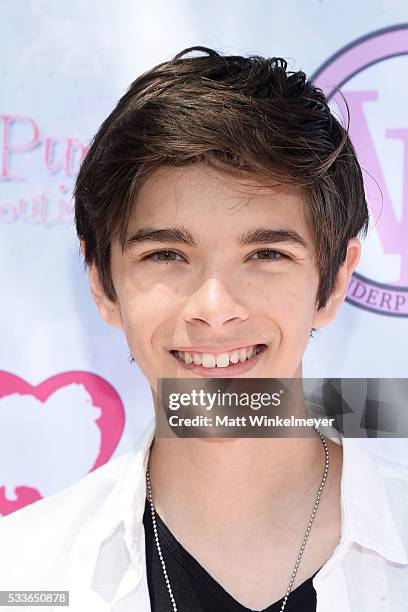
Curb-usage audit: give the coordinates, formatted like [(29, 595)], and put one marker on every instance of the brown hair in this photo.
[(242, 114)]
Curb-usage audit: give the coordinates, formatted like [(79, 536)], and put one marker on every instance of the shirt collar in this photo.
[(130, 493), (122, 507), (366, 513)]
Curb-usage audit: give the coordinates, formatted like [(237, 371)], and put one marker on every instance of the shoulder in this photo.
[(71, 500), (395, 479), (52, 523), (391, 471)]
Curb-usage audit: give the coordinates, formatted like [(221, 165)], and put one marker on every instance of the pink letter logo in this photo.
[(363, 72)]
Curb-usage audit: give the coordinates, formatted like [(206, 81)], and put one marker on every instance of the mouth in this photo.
[(228, 363)]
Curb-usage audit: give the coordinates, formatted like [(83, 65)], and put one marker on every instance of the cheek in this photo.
[(145, 310), (291, 308), (290, 300)]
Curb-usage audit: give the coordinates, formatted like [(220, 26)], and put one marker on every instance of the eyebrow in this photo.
[(265, 235), (181, 235)]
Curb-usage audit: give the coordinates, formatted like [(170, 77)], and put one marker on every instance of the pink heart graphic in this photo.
[(111, 421)]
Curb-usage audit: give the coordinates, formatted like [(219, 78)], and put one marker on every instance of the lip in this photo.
[(215, 350), (232, 370)]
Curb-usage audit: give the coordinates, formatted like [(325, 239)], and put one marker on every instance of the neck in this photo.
[(237, 482)]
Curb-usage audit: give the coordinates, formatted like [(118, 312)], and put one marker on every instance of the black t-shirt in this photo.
[(194, 589)]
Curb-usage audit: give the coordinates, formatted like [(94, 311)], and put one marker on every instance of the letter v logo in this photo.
[(369, 72)]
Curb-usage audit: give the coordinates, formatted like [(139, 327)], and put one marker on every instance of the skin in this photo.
[(235, 504)]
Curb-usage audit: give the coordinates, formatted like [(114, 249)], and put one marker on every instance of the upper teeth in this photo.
[(222, 360)]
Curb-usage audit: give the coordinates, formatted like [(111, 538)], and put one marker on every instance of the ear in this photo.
[(108, 310), (326, 314)]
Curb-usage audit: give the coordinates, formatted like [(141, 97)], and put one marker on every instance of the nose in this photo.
[(213, 304)]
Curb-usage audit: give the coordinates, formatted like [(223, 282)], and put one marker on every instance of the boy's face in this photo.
[(244, 277)]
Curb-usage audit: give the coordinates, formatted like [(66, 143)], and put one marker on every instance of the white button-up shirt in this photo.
[(89, 538)]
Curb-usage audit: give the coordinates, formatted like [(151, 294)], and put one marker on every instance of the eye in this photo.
[(162, 256), (270, 255)]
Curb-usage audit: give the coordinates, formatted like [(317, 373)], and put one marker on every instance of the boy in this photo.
[(218, 211)]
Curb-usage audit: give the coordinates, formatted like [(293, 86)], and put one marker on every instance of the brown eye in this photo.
[(270, 255), (163, 256)]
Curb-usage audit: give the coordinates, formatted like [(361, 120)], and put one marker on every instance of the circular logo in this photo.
[(371, 72)]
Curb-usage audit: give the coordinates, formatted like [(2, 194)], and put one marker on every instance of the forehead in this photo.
[(213, 203)]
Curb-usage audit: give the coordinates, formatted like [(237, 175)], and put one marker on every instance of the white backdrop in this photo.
[(69, 399)]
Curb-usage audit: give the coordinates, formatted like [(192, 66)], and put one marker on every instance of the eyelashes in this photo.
[(279, 253), (153, 256), (166, 256)]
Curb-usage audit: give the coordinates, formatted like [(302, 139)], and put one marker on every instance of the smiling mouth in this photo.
[(224, 360)]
